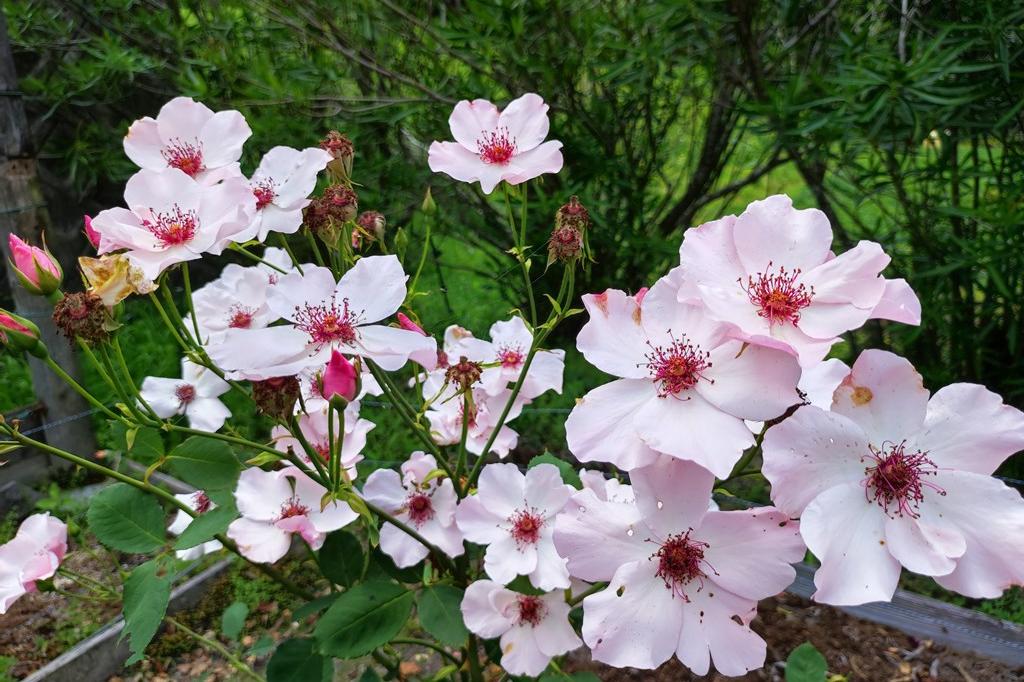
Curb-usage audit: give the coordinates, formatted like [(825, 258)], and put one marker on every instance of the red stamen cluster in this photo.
[(496, 147), (510, 357), (677, 367), (421, 509), (293, 508), (201, 501), (531, 609), (327, 322), (174, 227), (185, 393), (681, 561), (778, 297), (526, 525), (322, 449), (240, 317), (897, 480), (185, 156), (264, 192)]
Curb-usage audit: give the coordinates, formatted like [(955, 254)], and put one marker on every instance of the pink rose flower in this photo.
[(891, 478), (426, 506), (340, 378), (686, 385), (193, 395), (200, 504), (514, 515), (446, 413), (282, 184), (771, 272), (492, 145), (314, 429), (683, 580), (533, 628), (276, 504), (33, 554)]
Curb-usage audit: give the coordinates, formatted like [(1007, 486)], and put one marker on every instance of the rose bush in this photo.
[(718, 369)]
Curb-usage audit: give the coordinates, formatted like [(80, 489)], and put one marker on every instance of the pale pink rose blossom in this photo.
[(533, 628), (683, 580), (235, 300), (426, 506), (504, 356), (193, 395), (323, 315), (276, 504), (190, 137), (282, 184), (514, 515), (34, 553), (891, 478), (200, 504), (817, 383), (171, 218), (313, 426), (772, 273), (686, 385), (446, 413), (492, 145)]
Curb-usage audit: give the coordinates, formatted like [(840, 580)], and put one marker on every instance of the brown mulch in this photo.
[(859, 650)]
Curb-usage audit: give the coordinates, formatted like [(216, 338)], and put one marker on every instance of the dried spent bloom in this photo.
[(565, 244), (341, 148), (82, 315), (372, 223), (463, 373), (113, 278), (276, 396), (573, 214)]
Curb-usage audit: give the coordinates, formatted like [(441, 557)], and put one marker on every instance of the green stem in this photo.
[(473, 654), (429, 645), (316, 249), (596, 587), (287, 249), (89, 397), (460, 466), (167, 322), (131, 387), (235, 662), (423, 259), (519, 237), (188, 301), (311, 453)]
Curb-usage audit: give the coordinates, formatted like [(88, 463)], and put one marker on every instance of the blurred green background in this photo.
[(901, 120)]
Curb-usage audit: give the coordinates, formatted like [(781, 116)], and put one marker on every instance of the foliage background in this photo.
[(900, 119)]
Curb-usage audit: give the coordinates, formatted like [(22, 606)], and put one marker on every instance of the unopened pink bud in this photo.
[(639, 296), (19, 334), (340, 379), (91, 234), (405, 323), (34, 267)]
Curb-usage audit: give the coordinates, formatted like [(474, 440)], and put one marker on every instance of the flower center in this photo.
[(202, 502), (323, 449), (420, 508), (293, 508), (896, 481), (263, 190), (173, 227), (678, 366), (510, 357), (531, 609), (240, 317), (185, 156), (778, 297), (526, 525), (185, 393), (326, 323), (496, 147), (681, 561)]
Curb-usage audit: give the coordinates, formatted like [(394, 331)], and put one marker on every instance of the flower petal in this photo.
[(600, 427), (526, 119), (470, 120), (885, 395), (751, 381), (772, 231)]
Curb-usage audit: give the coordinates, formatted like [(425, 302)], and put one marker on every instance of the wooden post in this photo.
[(23, 212)]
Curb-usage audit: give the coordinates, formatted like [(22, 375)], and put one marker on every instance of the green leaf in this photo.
[(569, 474), (143, 443), (440, 613), (296, 660), (233, 619), (146, 593), (205, 526), (381, 565), (126, 519), (206, 463), (370, 675), (806, 664), (364, 618), (315, 606), (342, 558)]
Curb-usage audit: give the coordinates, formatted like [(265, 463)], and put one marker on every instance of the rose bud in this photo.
[(343, 151), (340, 380), (19, 334), (405, 323), (35, 268), (91, 234)]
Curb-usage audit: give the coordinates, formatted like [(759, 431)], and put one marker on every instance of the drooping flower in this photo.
[(772, 273), (276, 504), (492, 145), (685, 388), (171, 218), (188, 136), (683, 580), (890, 477), (36, 269), (428, 506), (200, 503), (313, 426), (324, 315), (448, 410), (514, 515), (533, 628), (282, 184), (113, 278), (34, 553), (503, 357), (193, 395)]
